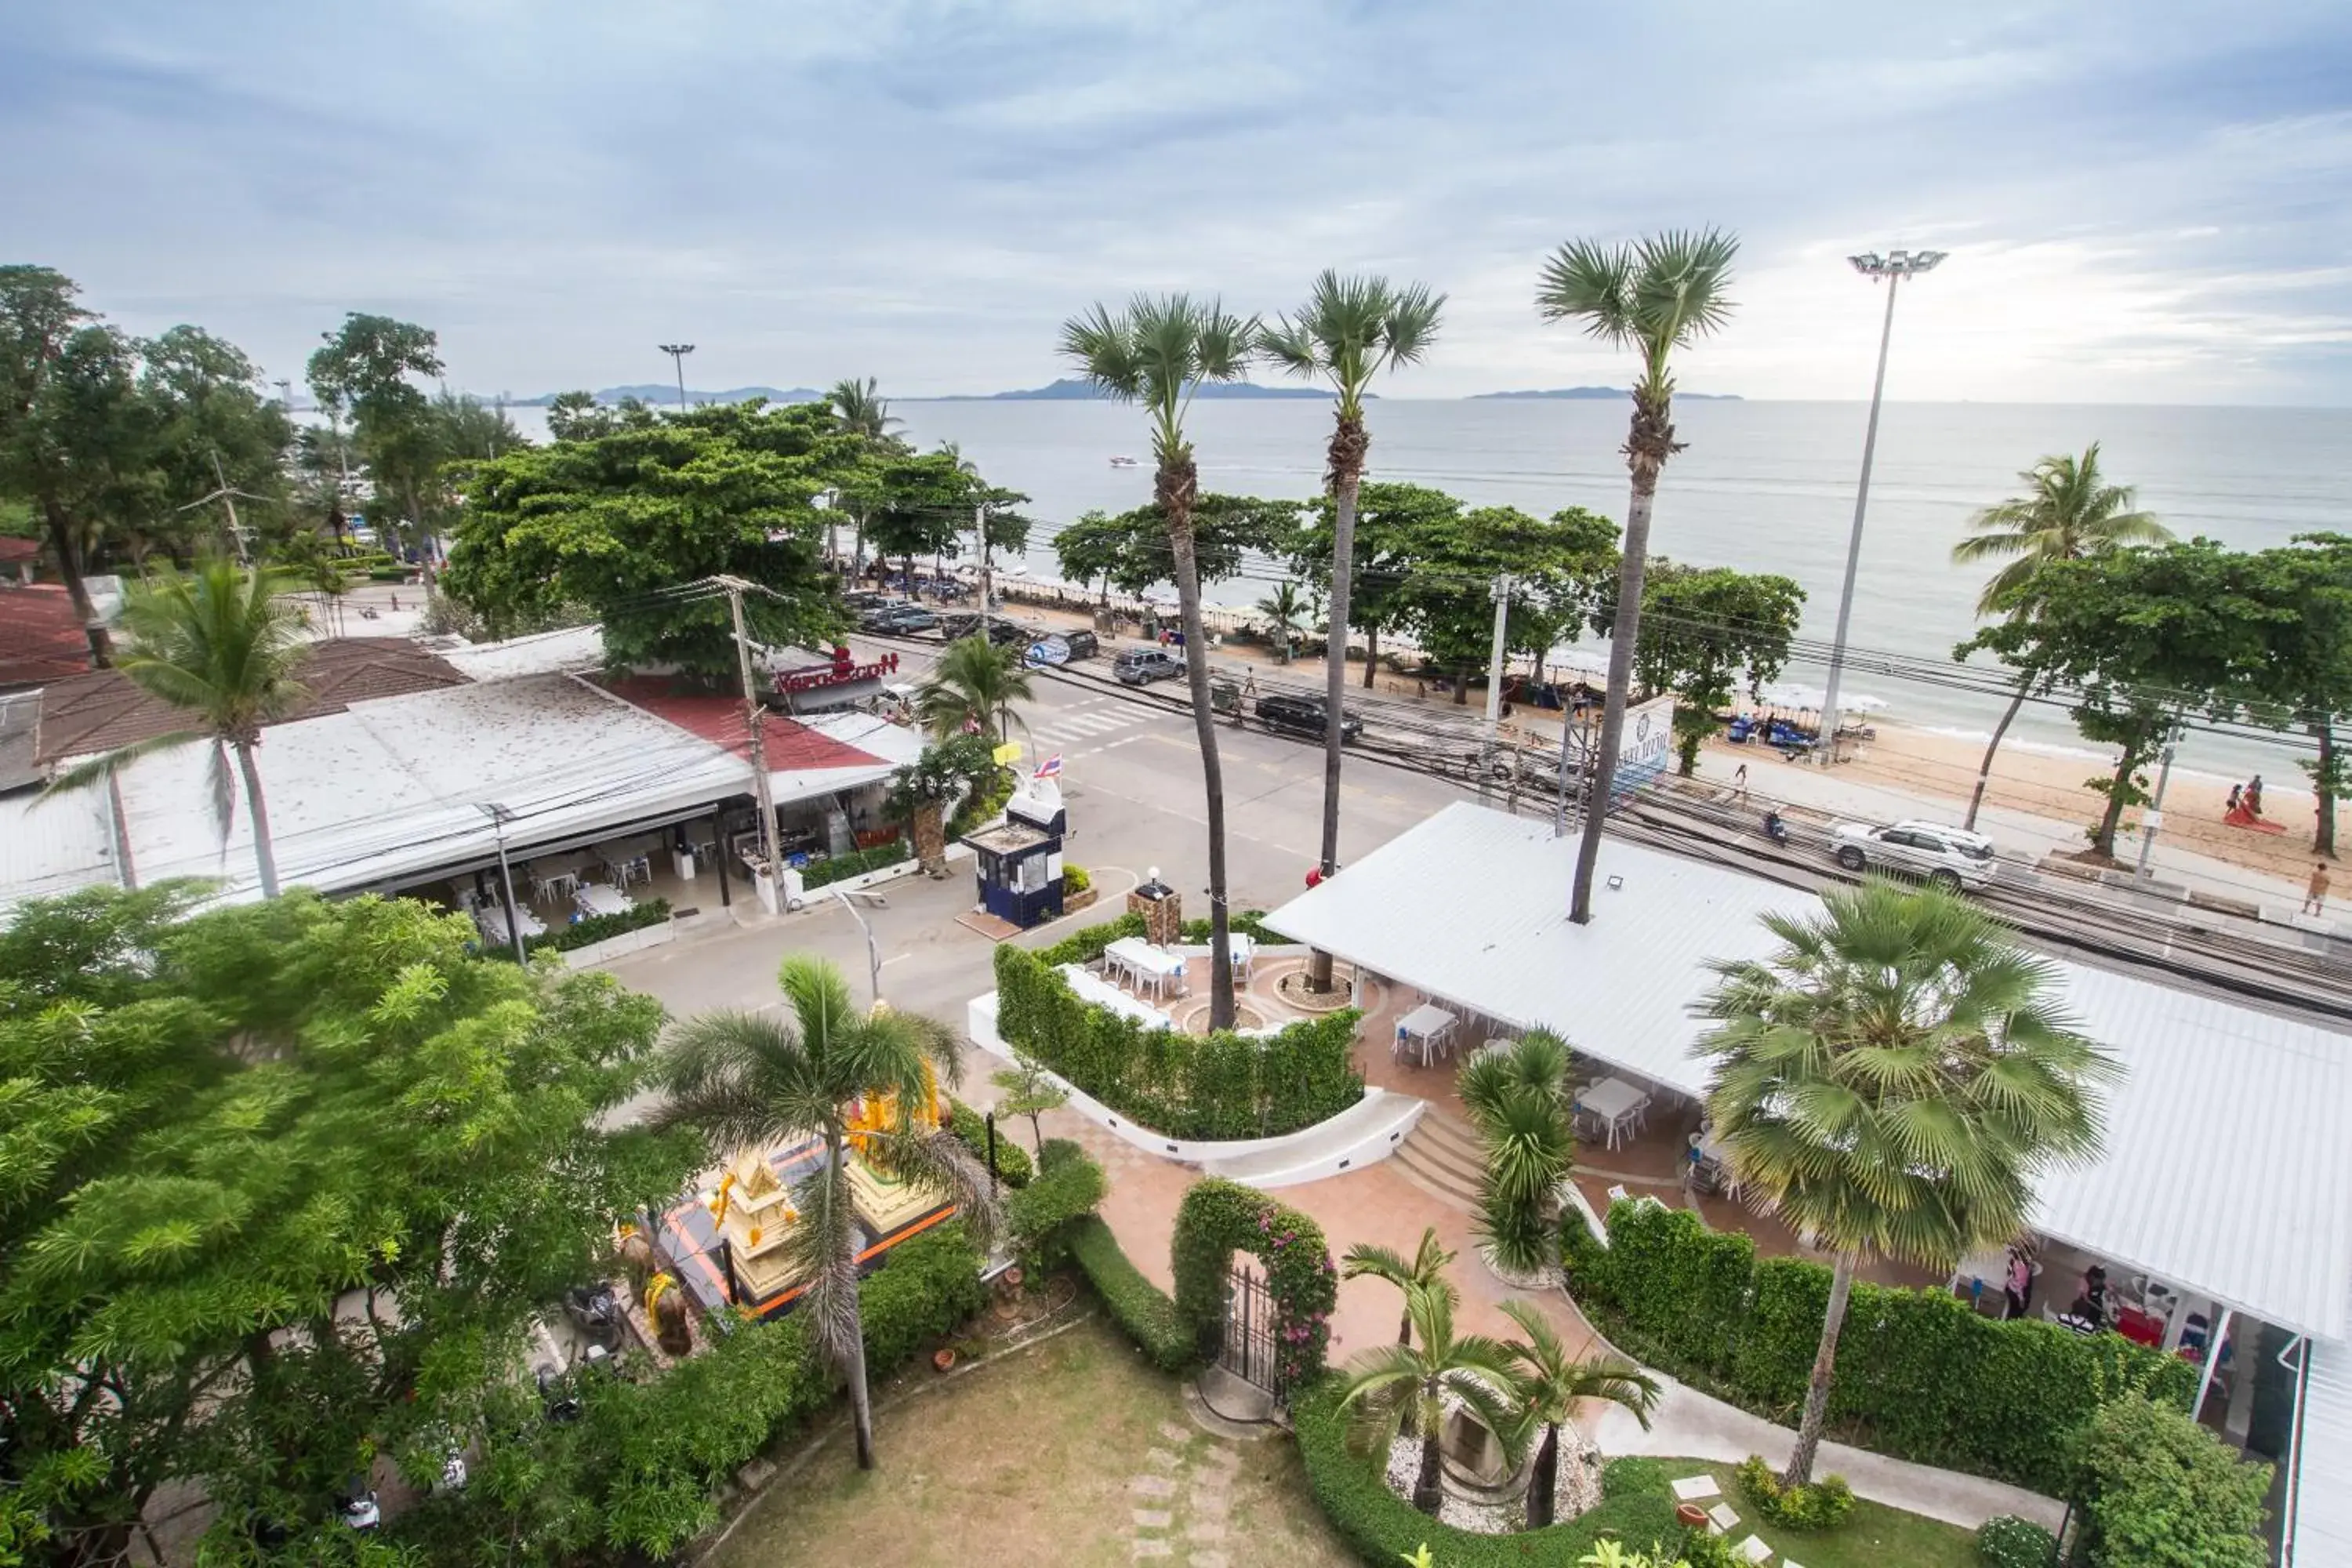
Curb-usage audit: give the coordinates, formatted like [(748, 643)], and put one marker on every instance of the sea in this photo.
[(1761, 486)]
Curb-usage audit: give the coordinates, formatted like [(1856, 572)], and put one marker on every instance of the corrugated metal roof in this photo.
[(2227, 1169), (52, 846), (2322, 1525)]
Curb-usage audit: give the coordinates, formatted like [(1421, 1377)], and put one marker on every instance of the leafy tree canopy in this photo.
[(1130, 550), (1392, 523), (1557, 568), (1706, 631)]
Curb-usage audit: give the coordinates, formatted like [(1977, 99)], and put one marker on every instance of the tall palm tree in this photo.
[(1349, 330), (974, 685), (859, 409), (1156, 353), (1550, 1384), (1404, 1387), (2068, 512), (1425, 1271), (751, 1082), (1654, 296), (219, 645), (1891, 1081), (1525, 1110), (1284, 610)]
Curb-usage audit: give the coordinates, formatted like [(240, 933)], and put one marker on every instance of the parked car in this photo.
[(1948, 857), (865, 599), (1142, 666), (1304, 716), (898, 620), (1082, 643)]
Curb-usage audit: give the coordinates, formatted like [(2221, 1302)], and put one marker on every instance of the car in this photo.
[(1000, 631), (898, 620), (865, 599), (1082, 643), (1142, 666), (1304, 716), (1948, 857)]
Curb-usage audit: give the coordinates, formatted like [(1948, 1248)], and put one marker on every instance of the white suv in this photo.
[(1947, 857)]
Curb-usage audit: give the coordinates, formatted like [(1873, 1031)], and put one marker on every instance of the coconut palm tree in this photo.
[(859, 409), (1404, 1387), (1426, 1272), (1350, 331), (1284, 609), (1156, 353), (219, 645), (1654, 296), (1891, 1081), (2068, 512), (1550, 1384), (1524, 1107), (974, 685), (753, 1081)]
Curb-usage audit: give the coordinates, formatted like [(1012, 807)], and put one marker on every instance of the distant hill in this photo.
[(1070, 390), (666, 397), (1601, 392)]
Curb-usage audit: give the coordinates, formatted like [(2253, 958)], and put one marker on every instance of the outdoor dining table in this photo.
[(1614, 1103), (1428, 1025), (1152, 966), (492, 919), (596, 899), (1102, 994)]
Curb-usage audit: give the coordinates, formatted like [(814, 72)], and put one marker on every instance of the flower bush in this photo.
[(2008, 1541), (1219, 1218)]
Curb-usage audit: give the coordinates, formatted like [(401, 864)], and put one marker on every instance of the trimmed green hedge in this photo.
[(2006, 1541), (1916, 1370), (586, 932), (1068, 1185), (856, 863), (1637, 1504), (924, 1288), (1135, 1303), (1086, 943), (971, 1128), (1223, 1086)]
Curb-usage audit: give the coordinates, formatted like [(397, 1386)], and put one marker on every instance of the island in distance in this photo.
[(1071, 390), (1600, 392)]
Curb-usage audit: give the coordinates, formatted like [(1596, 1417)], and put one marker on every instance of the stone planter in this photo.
[(1543, 1280), (1073, 902)]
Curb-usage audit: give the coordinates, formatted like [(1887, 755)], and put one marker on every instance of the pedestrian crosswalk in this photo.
[(1091, 724)]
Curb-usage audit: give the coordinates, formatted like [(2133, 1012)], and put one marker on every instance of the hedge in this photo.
[(1086, 943), (1220, 1218), (1069, 1185), (1637, 1504), (856, 863), (924, 1288), (1135, 1303), (971, 1128), (1222, 1086), (587, 930), (1920, 1374)]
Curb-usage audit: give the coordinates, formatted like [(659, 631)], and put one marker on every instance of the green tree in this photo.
[(973, 686), (1706, 631), (1425, 1270), (920, 503), (217, 645), (1550, 1385), (860, 411), (1157, 353), (1029, 1090), (2306, 670), (1556, 567), (1284, 609), (367, 368), (1654, 296), (1402, 1388), (1393, 523), (2069, 512), (213, 428), (1524, 1107), (750, 1081), (1350, 331), (1129, 551), (2158, 1490), (1892, 1080)]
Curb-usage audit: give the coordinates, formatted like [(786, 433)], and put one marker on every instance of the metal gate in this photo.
[(1246, 1347)]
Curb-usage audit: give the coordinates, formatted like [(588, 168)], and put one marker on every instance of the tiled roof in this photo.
[(41, 639), (103, 709), (791, 747)]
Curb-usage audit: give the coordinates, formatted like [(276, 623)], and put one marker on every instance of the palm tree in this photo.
[(1891, 1081), (974, 685), (2070, 512), (217, 644), (1654, 296), (1525, 1109), (1550, 1384), (859, 409), (1426, 1271), (1349, 330), (1156, 353), (751, 1082), (1284, 610), (1402, 1387)]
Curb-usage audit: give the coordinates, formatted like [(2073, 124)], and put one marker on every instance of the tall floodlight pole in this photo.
[(677, 353), (1894, 266)]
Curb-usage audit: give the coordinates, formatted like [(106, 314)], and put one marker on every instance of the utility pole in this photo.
[(2152, 819), (677, 353), (505, 881), (1502, 592), (229, 498), (771, 847), (980, 527)]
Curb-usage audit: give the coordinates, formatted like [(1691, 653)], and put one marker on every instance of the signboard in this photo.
[(1048, 651), (843, 671), (1008, 754), (1644, 749)]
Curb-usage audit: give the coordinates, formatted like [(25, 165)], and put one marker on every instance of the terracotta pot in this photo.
[(943, 1358), (1690, 1515), (1012, 1278)]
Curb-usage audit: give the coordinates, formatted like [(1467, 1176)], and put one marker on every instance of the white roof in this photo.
[(2227, 1168), (2321, 1531), (52, 846), (543, 653)]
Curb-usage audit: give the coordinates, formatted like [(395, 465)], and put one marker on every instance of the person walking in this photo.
[(2017, 1285), (2255, 795), (2314, 894), (1739, 780), (2237, 792)]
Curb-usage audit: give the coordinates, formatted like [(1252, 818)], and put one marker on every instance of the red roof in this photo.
[(791, 746), (41, 639)]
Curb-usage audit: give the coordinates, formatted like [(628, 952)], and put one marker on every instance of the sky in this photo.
[(2146, 202)]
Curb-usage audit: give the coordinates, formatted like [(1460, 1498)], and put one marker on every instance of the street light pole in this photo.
[(873, 953), (1894, 266), (1502, 592), (677, 353)]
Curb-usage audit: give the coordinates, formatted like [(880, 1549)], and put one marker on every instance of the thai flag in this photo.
[(1051, 768)]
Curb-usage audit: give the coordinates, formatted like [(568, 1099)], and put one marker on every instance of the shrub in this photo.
[(1135, 1303), (1702, 1549), (587, 930), (1074, 879), (2008, 1541), (1086, 945), (1069, 1185), (923, 1289), (1219, 1218), (986, 799), (1250, 923), (1819, 1505), (840, 867), (2158, 1490), (971, 1128)]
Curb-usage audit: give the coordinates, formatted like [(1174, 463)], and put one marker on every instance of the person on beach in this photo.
[(1739, 780), (2314, 895), (2255, 795), (2237, 792)]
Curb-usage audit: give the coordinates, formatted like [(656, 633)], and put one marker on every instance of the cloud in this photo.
[(2143, 201)]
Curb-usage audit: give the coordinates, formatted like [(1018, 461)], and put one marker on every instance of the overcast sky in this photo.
[(2143, 202)]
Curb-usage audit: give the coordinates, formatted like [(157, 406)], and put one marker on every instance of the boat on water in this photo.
[(1122, 462)]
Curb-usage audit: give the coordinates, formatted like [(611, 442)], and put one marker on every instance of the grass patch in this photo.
[(1873, 1536), (1026, 1462)]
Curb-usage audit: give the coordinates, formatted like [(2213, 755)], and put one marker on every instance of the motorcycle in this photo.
[(1776, 829)]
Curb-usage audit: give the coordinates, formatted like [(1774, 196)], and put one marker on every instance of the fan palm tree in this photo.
[(973, 686), (1549, 1386), (1426, 1272), (1891, 1081), (217, 644), (751, 1082), (1284, 609), (1156, 353), (1654, 296), (1404, 1387), (1525, 1110), (1350, 331), (2068, 512)]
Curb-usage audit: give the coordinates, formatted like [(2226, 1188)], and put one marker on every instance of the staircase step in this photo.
[(1451, 1131), (1468, 1166), (1444, 1192)]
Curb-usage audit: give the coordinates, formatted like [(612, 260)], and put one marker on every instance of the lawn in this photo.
[(1037, 1458), (1873, 1536)]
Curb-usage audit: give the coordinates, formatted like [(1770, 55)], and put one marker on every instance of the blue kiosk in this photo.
[(1018, 862)]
